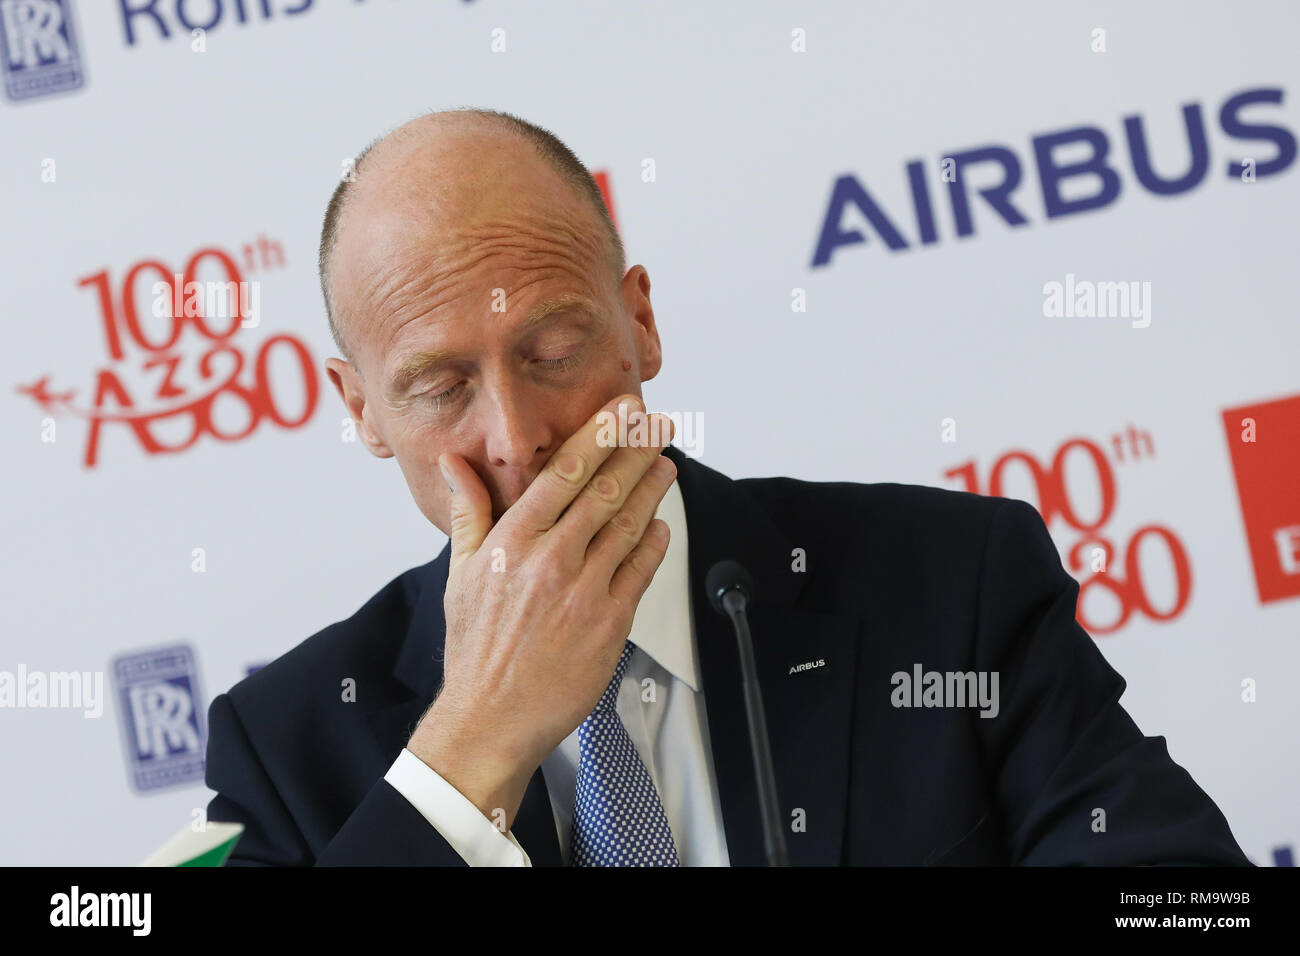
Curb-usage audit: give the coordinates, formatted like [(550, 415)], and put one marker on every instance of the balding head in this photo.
[(442, 169), (476, 285)]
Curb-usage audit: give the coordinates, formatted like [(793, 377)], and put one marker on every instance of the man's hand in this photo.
[(539, 606)]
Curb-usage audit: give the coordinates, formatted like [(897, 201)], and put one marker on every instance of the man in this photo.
[(554, 687)]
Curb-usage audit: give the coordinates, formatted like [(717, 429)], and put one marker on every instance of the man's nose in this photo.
[(516, 429)]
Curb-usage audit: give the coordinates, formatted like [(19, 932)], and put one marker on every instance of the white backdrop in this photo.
[(749, 112)]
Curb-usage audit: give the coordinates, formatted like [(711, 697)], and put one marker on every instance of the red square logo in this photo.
[(1268, 485)]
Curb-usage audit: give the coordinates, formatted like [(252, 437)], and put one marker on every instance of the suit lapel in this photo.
[(808, 710)]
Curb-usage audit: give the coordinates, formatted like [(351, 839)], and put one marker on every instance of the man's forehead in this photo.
[(414, 352), (394, 269), (411, 206), (392, 280), (430, 206)]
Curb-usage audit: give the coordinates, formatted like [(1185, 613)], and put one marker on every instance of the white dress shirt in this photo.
[(660, 704)]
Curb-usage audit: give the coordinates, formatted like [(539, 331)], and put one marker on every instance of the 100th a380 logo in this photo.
[(176, 373), (1094, 557)]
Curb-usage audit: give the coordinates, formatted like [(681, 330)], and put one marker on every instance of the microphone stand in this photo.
[(732, 602)]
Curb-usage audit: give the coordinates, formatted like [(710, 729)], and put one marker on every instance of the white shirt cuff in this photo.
[(451, 813)]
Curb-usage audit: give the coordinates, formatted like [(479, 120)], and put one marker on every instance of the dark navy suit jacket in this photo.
[(896, 575)]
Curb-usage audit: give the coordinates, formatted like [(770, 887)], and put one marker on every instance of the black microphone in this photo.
[(730, 588)]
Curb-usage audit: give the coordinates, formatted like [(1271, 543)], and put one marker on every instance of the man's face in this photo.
[(482, 315)]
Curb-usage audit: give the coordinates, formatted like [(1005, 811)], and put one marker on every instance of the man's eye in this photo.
[(559, 364), (443, 397)]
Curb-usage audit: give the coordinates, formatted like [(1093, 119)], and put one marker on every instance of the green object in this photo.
[(209, 846), (214, 857)]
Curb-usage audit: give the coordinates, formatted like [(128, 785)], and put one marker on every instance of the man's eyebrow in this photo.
[(415, 366), (569, 302)]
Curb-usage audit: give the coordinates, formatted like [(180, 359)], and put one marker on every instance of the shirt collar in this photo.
[(663, 626)]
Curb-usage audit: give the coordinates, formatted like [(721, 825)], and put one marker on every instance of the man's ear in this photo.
[(348, 384), (636, 300)]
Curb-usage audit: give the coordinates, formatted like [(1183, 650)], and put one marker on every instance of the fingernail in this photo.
[(446, 477)]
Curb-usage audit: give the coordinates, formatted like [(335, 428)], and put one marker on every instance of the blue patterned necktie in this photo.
[(618, 818)]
